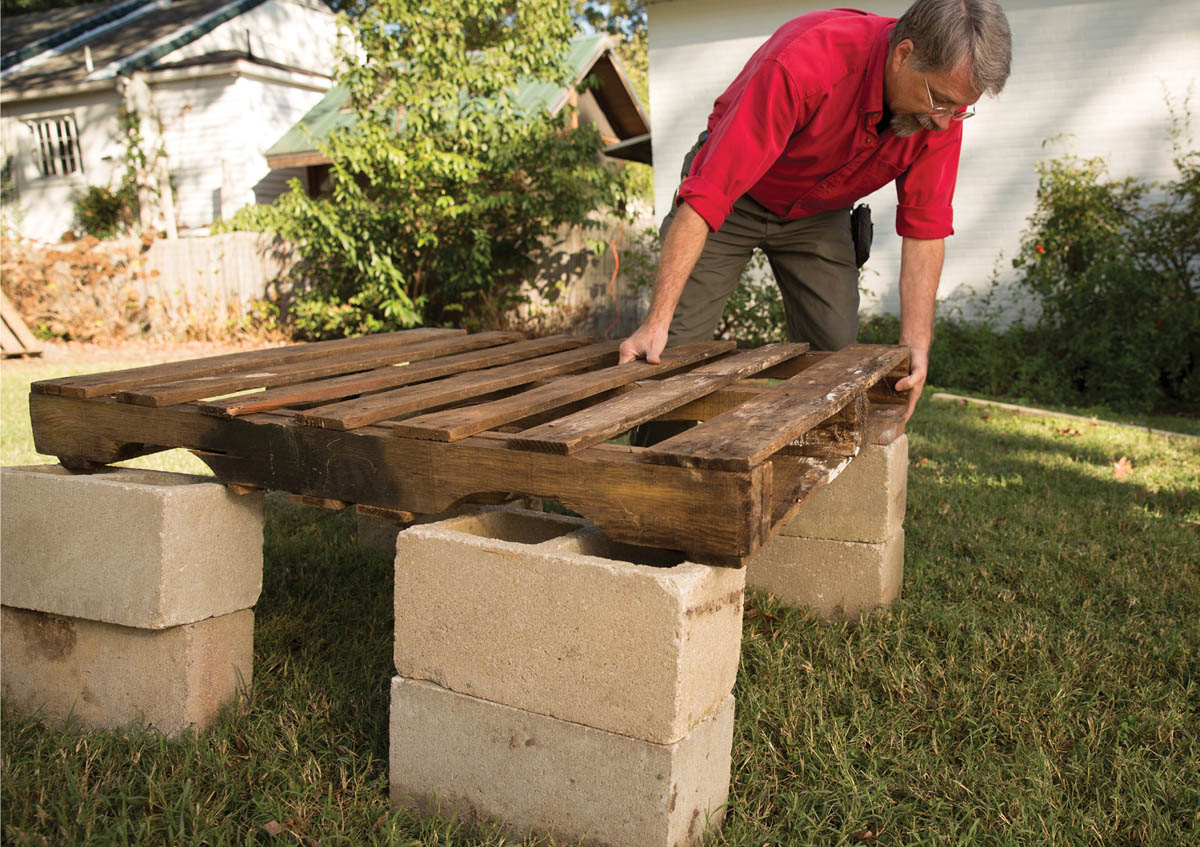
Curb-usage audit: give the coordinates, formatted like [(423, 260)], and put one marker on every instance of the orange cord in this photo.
[(612, 283)]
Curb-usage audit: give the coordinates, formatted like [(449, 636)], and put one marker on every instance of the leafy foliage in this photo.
[(1113, 267), (754, 313), (105, 212), (445, 184), (1117, 269)]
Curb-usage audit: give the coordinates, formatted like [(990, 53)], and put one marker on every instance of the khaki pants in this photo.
[(813, 262), (812, 259)]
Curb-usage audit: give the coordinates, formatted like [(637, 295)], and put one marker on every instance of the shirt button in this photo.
[(870, 140)]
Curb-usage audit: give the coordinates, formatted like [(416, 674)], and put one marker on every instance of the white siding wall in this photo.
[(216, 128), (1092, 72), (297, 33), (45, 206), (219, 128)]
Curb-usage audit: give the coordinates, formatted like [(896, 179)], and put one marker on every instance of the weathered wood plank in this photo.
[(456, 424), (16, 325), (747, 435), (606, 420), (884, 391), (351, 414), (796, 479), (183, 391), (9, 343), (97, 385), (317, 502), (840, 435), (711, 515), (381, 379), (387, 514)]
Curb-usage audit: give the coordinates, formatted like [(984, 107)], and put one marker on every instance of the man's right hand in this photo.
[(646, 343)]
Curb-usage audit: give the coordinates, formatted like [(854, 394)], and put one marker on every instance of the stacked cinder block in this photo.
[(561, 682), (843, 554), (126, 595)]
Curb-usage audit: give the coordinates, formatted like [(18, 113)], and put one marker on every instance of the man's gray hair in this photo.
[(944, 32)]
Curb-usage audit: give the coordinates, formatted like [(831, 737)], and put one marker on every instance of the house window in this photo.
[(56, 145)]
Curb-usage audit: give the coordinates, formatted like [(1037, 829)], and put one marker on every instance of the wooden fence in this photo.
[(217, 273), (573, 289)]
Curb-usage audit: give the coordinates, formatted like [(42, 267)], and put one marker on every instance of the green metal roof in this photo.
[(332, 112)]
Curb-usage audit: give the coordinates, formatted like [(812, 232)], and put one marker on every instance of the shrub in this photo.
[(105, 213), (1116, 265), (444, 187)]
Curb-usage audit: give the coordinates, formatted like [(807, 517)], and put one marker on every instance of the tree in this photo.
[(445, 185)]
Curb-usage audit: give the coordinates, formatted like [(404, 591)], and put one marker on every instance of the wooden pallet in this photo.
[(15, 337), (422, 420)]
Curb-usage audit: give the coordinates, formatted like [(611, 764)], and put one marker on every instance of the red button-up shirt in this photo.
[(797, 131)]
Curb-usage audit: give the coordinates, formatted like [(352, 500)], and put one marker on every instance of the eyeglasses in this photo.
[(955, 113)]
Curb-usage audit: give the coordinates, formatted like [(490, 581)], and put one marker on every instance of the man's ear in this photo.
[(900, 54)]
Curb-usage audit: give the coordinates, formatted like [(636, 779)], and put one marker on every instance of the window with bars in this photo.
[(56, 145)]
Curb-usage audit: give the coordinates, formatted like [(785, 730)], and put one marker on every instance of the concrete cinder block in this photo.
[(864, 503), (110, 676), (543, 613), (836, 579), (141, 549), (455, 753)]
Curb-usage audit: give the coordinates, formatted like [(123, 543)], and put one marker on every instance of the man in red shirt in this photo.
[(835, 105)]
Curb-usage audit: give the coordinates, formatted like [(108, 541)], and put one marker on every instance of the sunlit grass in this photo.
[(1037, 684)]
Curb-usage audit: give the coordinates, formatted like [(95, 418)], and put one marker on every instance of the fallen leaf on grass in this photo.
[(751, 612), (1122, 467), (865, 835), (961, 401), (1068, 430), (273, 828), (944, 507), (921, 462)]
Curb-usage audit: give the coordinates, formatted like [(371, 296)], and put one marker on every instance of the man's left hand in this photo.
[(915, 381)]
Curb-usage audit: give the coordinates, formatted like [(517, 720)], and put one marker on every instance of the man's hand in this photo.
[(646, 343), (914, 383), (681, 248), (920, 270)]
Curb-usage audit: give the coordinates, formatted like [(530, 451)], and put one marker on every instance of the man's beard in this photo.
[(905, 125)]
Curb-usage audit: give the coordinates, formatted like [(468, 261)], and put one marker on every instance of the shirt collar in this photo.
[(871, 102)]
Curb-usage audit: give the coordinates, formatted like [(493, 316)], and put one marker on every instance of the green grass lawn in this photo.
[(1037, 684)]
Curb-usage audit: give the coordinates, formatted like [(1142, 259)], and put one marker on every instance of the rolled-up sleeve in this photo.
[(744, 143), (925, 191)]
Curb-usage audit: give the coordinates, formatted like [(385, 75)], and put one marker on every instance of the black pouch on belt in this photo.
[(862, 231)]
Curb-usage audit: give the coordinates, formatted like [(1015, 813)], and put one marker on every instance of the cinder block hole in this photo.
[(513, 526), (602, 547)]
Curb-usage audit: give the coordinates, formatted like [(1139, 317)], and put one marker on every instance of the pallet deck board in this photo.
[(351, 414), (747, 435), (455, 424), (98, 385), (381, 379), (197, 388), (606, 420), (523, 418)]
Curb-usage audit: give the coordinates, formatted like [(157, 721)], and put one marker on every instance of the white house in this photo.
[(220, 80), (1091, 77)]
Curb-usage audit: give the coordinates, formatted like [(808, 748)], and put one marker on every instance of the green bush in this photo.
[(105, 212), (445, 186), (253, 217), (1116, 265), (754, 313)]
